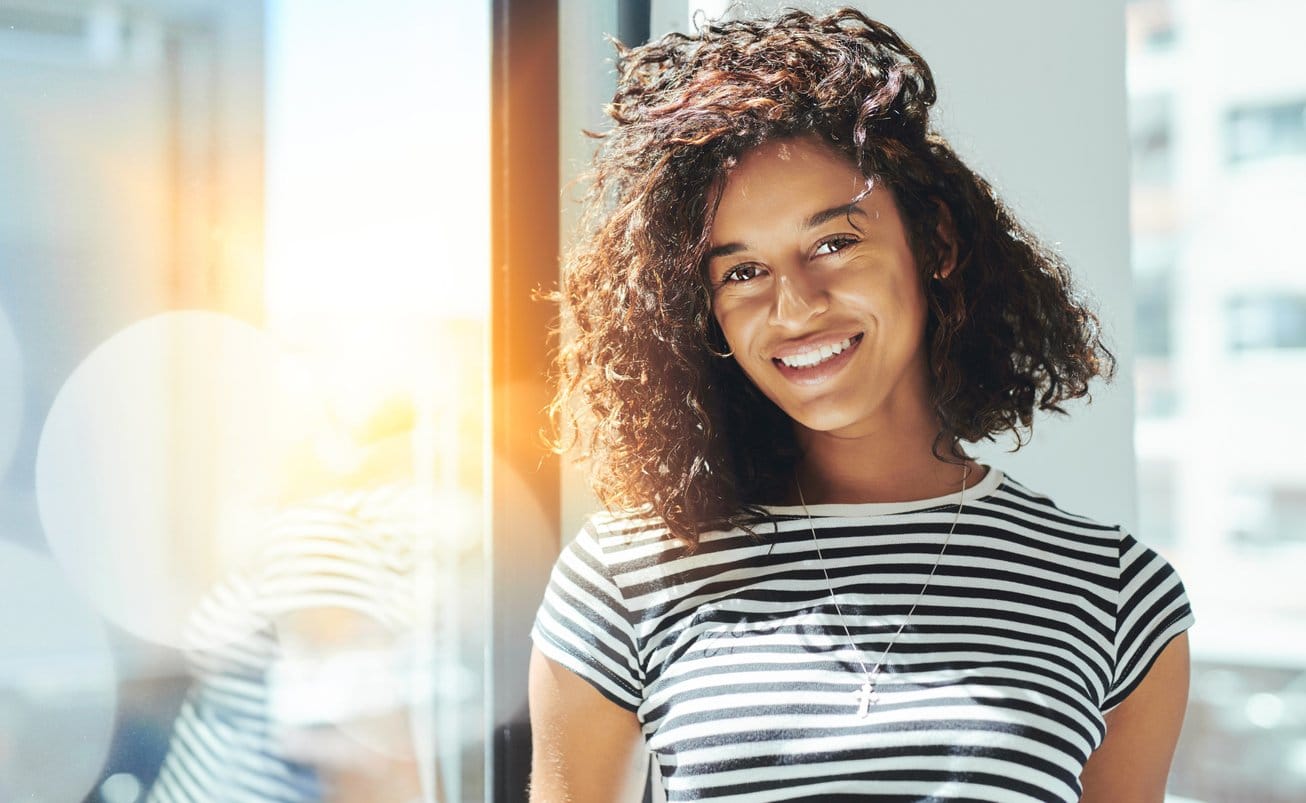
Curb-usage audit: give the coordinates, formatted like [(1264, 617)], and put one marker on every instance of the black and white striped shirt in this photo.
[(740, 672), (348, 551)]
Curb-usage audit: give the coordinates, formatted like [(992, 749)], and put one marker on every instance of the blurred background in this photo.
[(244, 296), (275, 515), (1218, 145)]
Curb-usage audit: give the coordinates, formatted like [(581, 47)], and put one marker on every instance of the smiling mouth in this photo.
[(816, 357)]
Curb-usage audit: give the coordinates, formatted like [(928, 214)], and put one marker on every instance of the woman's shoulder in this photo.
[(619, 540), (1017, 500), (624, 523), (635, 543), (616, 530)]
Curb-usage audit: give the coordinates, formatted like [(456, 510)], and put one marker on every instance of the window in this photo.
[(1151, 25), (1266, 131), (1152, 140), (1268, 516), (1222, 340), (1157, 392), (1153, 313), (1268, 321), (331, 592)]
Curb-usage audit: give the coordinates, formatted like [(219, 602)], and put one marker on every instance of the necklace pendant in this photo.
[(865, 698)]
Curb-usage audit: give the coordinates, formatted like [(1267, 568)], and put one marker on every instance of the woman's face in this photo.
[(819, 298)]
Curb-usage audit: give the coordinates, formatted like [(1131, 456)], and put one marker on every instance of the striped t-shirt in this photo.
[(736, 663), (347, 551)]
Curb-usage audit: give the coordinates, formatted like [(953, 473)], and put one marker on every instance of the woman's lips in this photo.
[(820, 372)]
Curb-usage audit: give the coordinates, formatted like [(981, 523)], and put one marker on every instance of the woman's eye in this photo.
[(740, 273), (834, 245)]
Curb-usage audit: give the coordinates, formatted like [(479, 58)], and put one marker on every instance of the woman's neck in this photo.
[(891, 467)]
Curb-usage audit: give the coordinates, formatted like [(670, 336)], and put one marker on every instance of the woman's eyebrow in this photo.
[(826, 215), (724, 251), (817, 219)]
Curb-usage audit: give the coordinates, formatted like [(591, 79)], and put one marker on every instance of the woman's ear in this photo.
[(947, 233)]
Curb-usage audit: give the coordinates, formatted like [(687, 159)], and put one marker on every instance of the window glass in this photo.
[(1267, 321), (1220, 371), (1264, 130), (1151, 138), (244, 266)]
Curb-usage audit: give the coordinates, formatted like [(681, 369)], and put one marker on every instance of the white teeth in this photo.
[(817, 355)]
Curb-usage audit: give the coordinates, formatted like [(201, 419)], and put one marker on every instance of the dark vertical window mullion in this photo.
[(634, 20), (523, 531)]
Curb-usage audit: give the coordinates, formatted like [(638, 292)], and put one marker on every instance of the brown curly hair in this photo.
[(672, 429)]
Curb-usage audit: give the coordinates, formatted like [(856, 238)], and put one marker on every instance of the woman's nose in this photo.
[(797, 300)]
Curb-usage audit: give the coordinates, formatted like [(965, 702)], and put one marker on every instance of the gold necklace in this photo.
[(866, 696)]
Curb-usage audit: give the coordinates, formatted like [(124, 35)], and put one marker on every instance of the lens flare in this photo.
[(162, 455)]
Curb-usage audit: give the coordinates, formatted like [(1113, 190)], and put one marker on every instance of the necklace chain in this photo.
[(865, 695)]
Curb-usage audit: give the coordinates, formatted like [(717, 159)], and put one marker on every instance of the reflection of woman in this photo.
[(298, 660), (792, 306)]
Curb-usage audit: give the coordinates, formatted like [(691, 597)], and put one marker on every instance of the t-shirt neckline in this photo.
[(979, 490)]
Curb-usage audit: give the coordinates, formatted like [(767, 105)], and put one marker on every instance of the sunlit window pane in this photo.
[(244, 271), (1266, 130), (1219, 159)]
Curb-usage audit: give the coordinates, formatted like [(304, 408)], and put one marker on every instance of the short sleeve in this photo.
[(1151, 610), (584, 624)]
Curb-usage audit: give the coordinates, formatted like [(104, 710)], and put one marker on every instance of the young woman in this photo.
[(793, 304)]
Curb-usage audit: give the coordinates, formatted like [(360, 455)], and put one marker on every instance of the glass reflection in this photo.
[(275, 164)]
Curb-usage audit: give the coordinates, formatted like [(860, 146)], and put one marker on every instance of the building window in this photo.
[(1265, 131), (1267, 516), (1151, 140), (1151, 25), (1269, 321), (1153, 312)]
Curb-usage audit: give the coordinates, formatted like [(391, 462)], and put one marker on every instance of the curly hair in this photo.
[(674, 430)]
